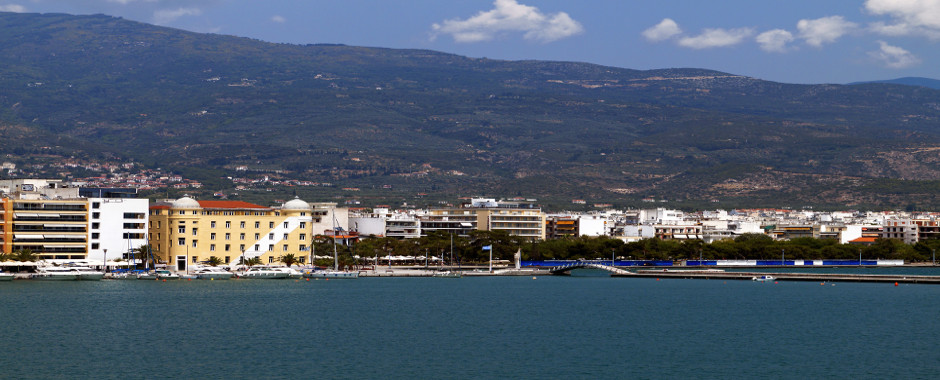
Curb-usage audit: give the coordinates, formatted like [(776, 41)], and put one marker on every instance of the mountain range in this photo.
[(447, 125)]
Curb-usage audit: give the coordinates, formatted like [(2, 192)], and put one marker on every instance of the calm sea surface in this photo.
[(497, 327)]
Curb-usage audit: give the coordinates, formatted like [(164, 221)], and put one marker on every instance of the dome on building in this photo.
[(296, 204), (186, 202)]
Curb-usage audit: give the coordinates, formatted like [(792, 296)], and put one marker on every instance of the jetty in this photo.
[(780, 276)]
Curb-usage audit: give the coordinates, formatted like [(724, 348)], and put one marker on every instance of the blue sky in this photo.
[(794, 41)]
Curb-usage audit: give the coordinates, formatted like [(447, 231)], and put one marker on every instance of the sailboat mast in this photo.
[(335, 256)]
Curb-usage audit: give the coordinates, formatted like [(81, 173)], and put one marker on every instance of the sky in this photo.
[(792, 41)]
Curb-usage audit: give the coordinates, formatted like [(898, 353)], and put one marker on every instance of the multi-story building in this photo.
[(59, 222), (516, 218), (187, 231), (911, 230)]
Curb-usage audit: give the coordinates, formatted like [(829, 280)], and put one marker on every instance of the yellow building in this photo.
[(188, 231), (50, 228)]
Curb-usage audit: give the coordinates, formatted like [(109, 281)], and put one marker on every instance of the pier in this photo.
[(814, 277)]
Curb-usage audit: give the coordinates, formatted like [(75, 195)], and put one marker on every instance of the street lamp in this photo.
[(105, 260)]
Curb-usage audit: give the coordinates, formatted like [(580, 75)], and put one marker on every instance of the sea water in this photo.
[(491, 327)]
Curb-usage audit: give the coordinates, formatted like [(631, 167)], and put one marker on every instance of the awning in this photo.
[(24, 215)]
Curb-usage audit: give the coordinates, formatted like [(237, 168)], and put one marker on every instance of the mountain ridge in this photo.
[(108, 87)]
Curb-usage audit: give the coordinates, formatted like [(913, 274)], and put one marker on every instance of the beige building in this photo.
[(188, 231), (516, 218)]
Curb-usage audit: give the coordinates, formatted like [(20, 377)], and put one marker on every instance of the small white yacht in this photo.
[(213, 273), (159, 274), (763, 278), (87, 274), (4, 276), (54, 274), (337, 274), (264, 272)]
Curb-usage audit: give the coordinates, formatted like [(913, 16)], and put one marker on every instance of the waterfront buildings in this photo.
[(186, 231)]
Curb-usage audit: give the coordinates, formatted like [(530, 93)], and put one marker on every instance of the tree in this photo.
[(24, 255), (289, 259), (214, 261), (5, 257)]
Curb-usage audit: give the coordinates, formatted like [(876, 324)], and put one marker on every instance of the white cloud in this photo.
[(894, 57), (911, 17), (166, 16), (510, 16), (12, 8), (711, 38), (824, 30), (774, 41), (665, 30), (278, 19)]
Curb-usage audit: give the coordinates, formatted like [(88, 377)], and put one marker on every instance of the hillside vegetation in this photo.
[(203, 104)]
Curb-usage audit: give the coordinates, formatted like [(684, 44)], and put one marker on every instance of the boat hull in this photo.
[(332, 275), (6, 277), (55, 277), (265, 276), (214, 276)]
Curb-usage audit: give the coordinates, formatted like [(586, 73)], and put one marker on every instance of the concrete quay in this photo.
[(814, 277)]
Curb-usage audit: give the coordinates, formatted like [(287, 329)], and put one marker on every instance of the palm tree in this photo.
[(25, 254), (214, 261), (289, 259), (5, 257), (143, 253), (249, 262)]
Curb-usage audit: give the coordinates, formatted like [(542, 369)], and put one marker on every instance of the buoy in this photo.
[(308, 279), (189, 279), (164, 280), (775, 282), (895, 283), (533, 277), (211, 279), (822, 283), (657, 279)]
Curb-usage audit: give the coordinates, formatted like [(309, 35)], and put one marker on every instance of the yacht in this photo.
[(87, 274), (446, 274), (159, 274), (4, 276), (763, 278), (54, 274), (264, 272), (213, 273), (331, 274)]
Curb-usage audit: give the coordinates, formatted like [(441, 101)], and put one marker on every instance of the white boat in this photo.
[(763, 278), (54, 274), (291, 272), (263, 272), (213, 273), (446, 274), (4, 276), (87, 274), (159, 274), (337, 274)]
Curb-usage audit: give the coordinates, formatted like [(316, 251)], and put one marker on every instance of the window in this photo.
[(212, 224), (284, 248), (271, 236), (257, 247), (228, 236), (303, 237), (241, 247), (228, 224), (194, 231), (241, 236), (181, 241), (228, 259), (285, 224), (241, 225), (257, 224), (228, 247), (303, 224), (303, 260), (96, 215), (96, 225), (95, 205), (270, 259), (271, 225), (182, 229), (94, 235), (212, 247), (182, 212), (212, 236), (257, 236), (303, 248), (271, 247), (195, 259), (194, 243)]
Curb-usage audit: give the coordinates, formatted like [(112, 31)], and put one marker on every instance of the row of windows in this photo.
[(241, 247)]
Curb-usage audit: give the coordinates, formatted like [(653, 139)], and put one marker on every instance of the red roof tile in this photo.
[(229, 204)]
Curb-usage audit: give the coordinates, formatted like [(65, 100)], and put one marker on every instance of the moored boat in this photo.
[(213, 273), (87, 274), (763, 278), (4, 276), (54, 274), (159, 274), (263, 272), (331, 274)]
